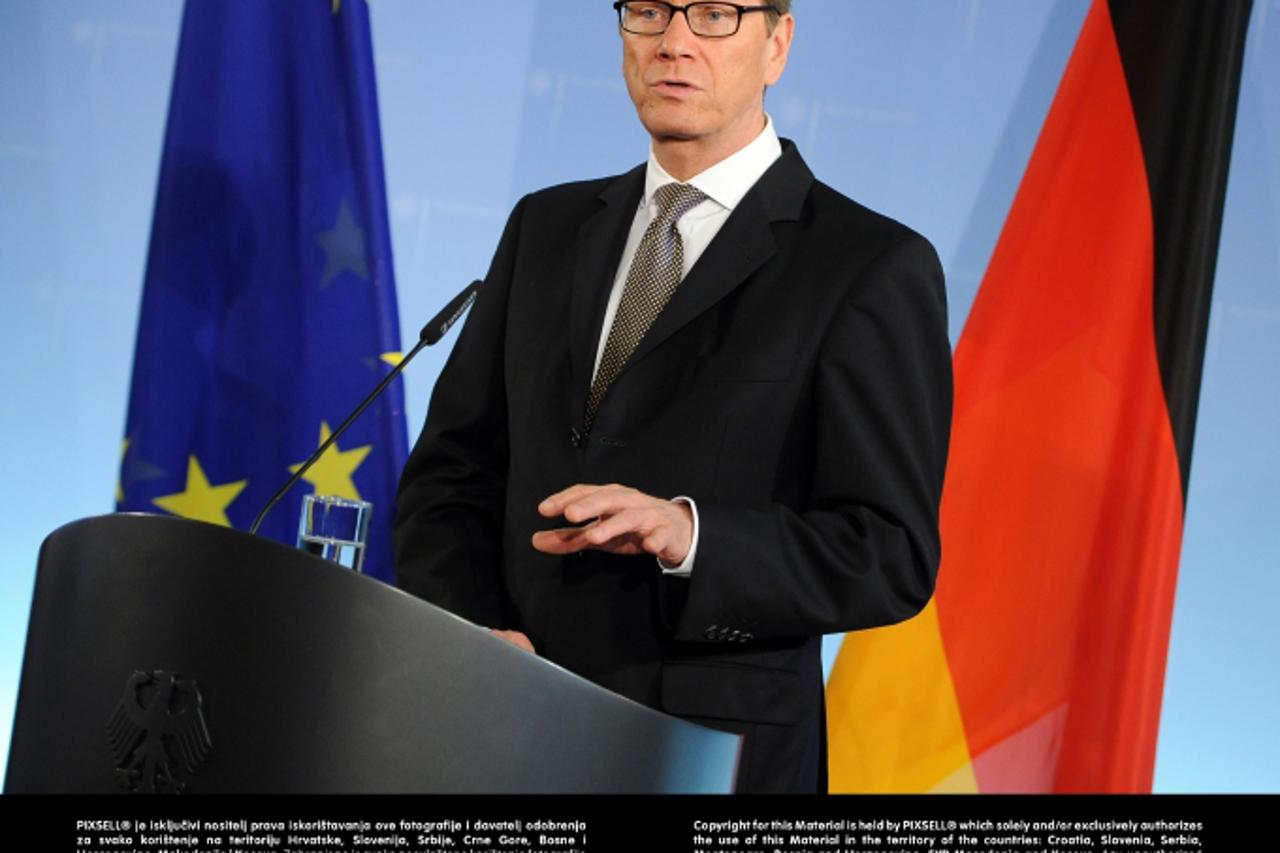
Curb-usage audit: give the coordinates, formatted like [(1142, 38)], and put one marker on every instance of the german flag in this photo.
[(1039, 666)]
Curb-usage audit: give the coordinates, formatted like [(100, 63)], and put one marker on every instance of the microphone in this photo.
[(430, 335)]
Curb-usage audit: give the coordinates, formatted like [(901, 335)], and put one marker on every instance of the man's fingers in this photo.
[(621, 520), (562, 540), (624, 523), (515, 638), (600, 501), (590, 498), (570, 540), (553, 505), (629, 532)]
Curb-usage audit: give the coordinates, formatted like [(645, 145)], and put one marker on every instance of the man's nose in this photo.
[(678, 39)]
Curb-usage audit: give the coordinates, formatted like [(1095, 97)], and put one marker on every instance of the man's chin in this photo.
[(673, 131), (676, 136)]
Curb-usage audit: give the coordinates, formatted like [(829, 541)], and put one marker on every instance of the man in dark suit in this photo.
[(715, 327)]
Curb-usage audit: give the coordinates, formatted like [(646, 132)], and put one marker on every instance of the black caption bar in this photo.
[(577, 824)]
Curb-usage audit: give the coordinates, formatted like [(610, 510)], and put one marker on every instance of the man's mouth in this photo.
[(674, 86)]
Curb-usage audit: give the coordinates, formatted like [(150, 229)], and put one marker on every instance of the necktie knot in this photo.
[(675, 200)]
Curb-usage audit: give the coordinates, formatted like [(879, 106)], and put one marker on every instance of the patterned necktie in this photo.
[(653, 277)]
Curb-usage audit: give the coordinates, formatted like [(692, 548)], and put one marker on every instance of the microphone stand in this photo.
[(430, 334)]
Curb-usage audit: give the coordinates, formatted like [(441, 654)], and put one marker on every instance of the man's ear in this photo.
[(779, 47)]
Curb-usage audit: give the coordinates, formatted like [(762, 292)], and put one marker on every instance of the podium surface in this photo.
[(167, 654)]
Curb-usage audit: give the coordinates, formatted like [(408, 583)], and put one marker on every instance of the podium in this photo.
[(172, 655)]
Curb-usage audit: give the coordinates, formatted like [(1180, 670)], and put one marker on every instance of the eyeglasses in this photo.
[(709, 20)]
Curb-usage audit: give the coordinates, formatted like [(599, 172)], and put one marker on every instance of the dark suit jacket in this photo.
[(797, 386)]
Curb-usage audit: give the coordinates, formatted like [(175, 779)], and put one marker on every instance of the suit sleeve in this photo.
[(450, 504), (863, 549)]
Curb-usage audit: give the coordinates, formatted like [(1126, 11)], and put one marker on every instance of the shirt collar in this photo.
[(726, 182)]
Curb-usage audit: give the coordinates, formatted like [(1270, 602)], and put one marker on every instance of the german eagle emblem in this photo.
[(158, 725)]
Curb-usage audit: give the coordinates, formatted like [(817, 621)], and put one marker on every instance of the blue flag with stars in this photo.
[(269, 307)]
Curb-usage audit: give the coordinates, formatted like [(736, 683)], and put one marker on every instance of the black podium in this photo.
[(166, 654)]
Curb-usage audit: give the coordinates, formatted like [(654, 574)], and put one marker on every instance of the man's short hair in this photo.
[(780, 8)]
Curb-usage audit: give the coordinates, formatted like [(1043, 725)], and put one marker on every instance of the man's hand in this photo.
[(515, 638), (622, 521)]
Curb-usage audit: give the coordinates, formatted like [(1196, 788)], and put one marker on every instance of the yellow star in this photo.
[(331, 475), (392, 358), (124, 448), (202, 501)]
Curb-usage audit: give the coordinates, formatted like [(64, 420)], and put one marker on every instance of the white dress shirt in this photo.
[(724, 184)]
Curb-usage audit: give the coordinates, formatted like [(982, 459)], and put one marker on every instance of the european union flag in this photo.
[(269, 307)]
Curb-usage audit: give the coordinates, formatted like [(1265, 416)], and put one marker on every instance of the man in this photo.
[(717, 327)]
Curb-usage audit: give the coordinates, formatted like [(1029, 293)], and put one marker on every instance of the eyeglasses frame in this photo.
[(742, 10)]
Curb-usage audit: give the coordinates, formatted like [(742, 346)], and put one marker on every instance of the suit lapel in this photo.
[(596, 257), (744, 243)]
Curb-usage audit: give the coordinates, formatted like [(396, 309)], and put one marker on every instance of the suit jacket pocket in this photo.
[(727, 691)]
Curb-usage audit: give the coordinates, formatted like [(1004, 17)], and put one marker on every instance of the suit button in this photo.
[(576, 438)]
